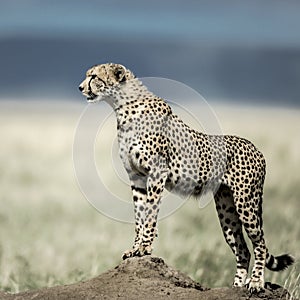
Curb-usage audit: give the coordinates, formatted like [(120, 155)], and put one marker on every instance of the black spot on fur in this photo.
[(140, 190)]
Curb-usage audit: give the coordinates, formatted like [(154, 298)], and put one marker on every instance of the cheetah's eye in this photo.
[(97, 82)]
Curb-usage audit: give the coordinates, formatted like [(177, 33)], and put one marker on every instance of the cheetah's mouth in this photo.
[(92, 98)]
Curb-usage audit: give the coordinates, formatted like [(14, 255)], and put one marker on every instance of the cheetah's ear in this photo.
[(119, 73)]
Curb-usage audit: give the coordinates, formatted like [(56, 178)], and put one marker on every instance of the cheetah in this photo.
[(159, 151)]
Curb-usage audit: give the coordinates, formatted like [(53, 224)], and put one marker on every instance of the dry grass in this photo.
[(51, 235)]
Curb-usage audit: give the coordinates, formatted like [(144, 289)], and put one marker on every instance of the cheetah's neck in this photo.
[(130, 94), (130, 100)]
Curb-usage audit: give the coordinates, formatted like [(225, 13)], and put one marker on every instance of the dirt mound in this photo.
[(143, 278)]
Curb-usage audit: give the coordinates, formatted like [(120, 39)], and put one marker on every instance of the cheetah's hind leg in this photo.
[(251, 218), (233, 233)]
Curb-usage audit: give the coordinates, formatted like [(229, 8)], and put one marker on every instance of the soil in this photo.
[(144, 278)]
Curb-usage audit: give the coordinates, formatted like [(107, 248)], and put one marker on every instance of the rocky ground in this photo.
[(144, 278)]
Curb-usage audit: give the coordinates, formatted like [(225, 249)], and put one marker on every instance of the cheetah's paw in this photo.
[(140, 251), (255, 285)]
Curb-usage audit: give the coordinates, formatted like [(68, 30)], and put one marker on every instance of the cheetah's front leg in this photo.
[(155, 187), (139, 192), (146, 203)]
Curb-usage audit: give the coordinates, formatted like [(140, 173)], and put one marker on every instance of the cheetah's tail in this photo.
[(280, 262)]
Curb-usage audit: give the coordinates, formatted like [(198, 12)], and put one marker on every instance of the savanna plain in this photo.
[(51, 235)]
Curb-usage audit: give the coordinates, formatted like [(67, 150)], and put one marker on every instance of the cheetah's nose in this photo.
[(80, 88)]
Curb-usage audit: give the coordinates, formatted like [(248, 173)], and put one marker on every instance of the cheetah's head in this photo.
[(101, 80)]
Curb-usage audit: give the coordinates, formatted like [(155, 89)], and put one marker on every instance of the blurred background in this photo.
[(238, 50), (242, 56)]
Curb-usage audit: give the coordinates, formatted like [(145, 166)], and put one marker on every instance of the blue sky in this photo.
[(258, 23)]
